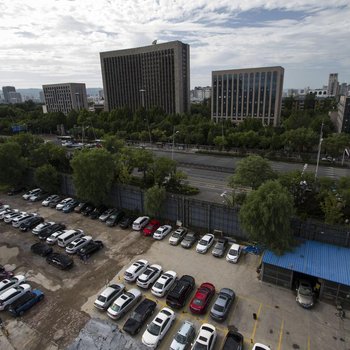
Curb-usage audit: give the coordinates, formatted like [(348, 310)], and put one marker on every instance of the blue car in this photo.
[(68, 208), (25, 302)]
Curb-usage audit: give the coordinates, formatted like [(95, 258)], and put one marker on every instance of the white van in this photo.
[(69, 236), (140, 223)]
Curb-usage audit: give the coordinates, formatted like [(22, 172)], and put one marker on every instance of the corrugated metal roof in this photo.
[(316, 259)]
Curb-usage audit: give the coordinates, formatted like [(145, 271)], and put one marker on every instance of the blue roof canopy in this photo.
[(316, 259)]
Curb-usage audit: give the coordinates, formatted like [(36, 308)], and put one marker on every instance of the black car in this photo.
[(180, 292), (31, 223), (60, 261), (189, 240), (15, 190), (144, 310), (220, 248), (41, 249), (88, 210), (80, 207), (54, 202), (126, 222), (50, 230), (233, 341), (115, 218), (97, 212), (89, 249)]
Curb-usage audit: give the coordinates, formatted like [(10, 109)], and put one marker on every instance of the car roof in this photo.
[(185, 327), (144, 305), (235, 246)]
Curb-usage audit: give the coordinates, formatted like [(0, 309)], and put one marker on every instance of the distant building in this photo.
[(342, 121), (333, 84), (198, 94), (14, 97), (253, 92), (101, 95), (6, 92), (155, 75), (65, 97), (344, 89)]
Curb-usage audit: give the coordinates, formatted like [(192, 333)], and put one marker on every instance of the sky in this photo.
[(47, 41)]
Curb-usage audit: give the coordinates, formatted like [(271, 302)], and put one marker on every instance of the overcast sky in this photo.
[(46, 41)]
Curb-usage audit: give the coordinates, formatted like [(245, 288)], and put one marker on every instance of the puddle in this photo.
[(42, 280), (7, 253)]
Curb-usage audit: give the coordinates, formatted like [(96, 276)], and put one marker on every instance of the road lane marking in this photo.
[(281, 336), (256, 323), (308, 343)]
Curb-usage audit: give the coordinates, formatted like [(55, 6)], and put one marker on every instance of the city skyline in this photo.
[(48, 42)]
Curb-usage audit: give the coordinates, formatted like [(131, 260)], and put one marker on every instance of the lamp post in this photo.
[(143, 106), (319, 151), (172, 149)]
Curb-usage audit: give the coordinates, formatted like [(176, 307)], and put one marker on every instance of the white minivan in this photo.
[(69, 236), (140, 223)]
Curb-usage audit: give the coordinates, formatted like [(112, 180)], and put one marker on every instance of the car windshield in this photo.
[(153, 329), (176, 234), (233, 252), (113, 216), (180, 338), (115, 307), (198, 302), (101, 298), (199, 346), (219, 308), (158, 285), (137, 317), (305, 290), (203, 242)]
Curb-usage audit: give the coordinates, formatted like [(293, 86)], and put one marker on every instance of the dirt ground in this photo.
[(58, 319)]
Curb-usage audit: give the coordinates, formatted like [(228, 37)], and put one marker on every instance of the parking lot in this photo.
[(68, 304)]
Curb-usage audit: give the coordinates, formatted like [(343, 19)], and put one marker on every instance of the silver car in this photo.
[(106, 298), (177, 236), (305, 295), (222, 304), (78, 243), (124, 303), (184, 337)]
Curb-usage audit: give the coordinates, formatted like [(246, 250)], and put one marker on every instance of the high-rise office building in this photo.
[(342, 121), (65, 97), (253, 92), (6, 92), (14, 97), (155, 75), (333, 84)]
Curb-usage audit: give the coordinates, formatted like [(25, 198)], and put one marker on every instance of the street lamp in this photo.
[(172, 149), (319, 151), (143, 106)]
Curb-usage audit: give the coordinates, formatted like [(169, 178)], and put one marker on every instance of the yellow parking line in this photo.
[(281, 336), (308, 343), (256, 323)]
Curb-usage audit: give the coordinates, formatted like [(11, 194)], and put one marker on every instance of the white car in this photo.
[(12, 295), (124, 303), (162, 232), (234, 253), (28, 194), (135, 270), (16, 222), (78, 243), (150, 275), (39, 228), (205, 243), (47, 201), (259, 346), (164, 283), (54, 237), (108, 295), (9, 217), (11, 282), (157, 329), (178, 235), (4, 212), (64, 202), (140, 223), (206, 337)]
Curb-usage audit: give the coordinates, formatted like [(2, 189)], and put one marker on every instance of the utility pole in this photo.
[(319, 150)]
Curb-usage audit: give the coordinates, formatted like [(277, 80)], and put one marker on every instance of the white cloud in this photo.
[(54, 41)]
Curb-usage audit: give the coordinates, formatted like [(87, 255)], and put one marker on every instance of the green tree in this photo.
[(266, 216), (12, 164), (220, 142), (332, 208), (154, 200), (335, 144), (252, 171), (47, 178), (161, 169), (113, 144), (93, 174), (301, 139)]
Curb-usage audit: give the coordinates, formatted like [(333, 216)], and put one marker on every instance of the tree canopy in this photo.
[(154, 199)]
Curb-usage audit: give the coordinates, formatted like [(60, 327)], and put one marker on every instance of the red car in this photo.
[(201, 299), (151, 227)]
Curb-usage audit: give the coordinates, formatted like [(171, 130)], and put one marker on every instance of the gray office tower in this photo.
[(155, 75), (253, 92), (6, 92)]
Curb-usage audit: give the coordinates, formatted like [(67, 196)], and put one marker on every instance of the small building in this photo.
[(326, 264)]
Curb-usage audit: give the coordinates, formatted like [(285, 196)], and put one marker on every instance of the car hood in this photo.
[(177, 346), (304, 299), (149, 339)]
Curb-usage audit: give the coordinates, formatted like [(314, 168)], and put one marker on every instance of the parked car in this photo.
[(164, 283), (108, 295), (114, 218), (124, 303), (90, 248), (88, 210), (180, 291), (189, 240), (219, 248), (140, 223), (162, 232), (137, 319), (106, 214), (77, 244), (233, 341), (48, 231), (202, 298), (259, 346), (126, 222), (149, 276), (49, 199), (184, 337), (205, 243), (80, 207), (305, 294), (38, 196), (69, 236), (11, 216), (15, 190), (60, 261), (41, 249), (12, 294), (234, 253), (206, 338), (135, 270), (69, 207), (4, 212), (4, 274), (157, 329), (178, 235), (16, 222), (97, 212), (15, 281), (31, 223), (41, 227), (30, 193), (55, 201), (63, 203), (54, 237), (151, 227), (222, 304), (25, 302)]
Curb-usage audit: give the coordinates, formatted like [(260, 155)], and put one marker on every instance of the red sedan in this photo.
[(202, 298), (151, 227)]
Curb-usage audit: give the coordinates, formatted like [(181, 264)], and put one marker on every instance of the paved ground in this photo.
[(68, 305)]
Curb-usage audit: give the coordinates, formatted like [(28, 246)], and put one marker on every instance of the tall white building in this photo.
[(333, 84)]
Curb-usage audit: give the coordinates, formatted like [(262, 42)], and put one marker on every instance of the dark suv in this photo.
[(180, 292)]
